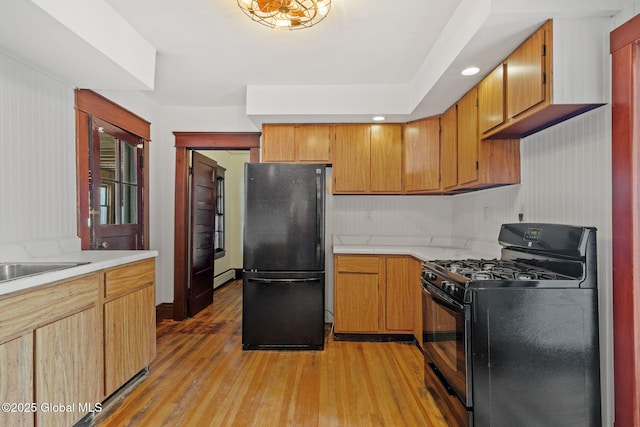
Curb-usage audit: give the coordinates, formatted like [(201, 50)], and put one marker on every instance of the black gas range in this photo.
[(514, 341), (456, 277)]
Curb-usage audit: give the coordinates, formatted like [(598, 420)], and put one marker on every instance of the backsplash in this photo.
[(37, 160), (566, 178), (392, 215)]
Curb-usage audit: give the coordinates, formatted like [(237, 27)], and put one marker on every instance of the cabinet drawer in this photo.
[(29, 310), (121, 280), (357, 264)]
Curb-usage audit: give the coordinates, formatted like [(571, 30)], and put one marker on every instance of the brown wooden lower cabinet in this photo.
[(129, 336), (16, 383), (129, 322), (50, 353), (374, 294), (66, 346), (67, 368)]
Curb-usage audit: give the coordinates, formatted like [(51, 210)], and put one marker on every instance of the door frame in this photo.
[(625, 151), (88, 103), (185, 142)]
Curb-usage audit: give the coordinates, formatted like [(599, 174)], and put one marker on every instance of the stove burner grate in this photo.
[(495, 270)]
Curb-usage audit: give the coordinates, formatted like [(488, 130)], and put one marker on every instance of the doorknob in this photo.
[(103, 245)]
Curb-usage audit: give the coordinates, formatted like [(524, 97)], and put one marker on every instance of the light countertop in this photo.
[(96, 260), (421, 247)]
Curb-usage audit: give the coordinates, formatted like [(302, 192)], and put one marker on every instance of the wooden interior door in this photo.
[(116, 185), (203, 212)]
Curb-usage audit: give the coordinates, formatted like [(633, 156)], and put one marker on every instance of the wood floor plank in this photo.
[(201, 377)]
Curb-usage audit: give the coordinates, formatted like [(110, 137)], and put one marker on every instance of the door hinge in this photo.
[(544, 78), (476, 102), (190, 170), (544, 50), (141, 162), (477, 167)]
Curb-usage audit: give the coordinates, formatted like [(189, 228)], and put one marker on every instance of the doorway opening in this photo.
[(186, 143)]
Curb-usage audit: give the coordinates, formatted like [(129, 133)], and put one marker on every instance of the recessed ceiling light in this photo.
[(379, 118), (470, 71)]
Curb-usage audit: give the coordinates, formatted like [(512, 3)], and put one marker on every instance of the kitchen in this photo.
[(564, 173)]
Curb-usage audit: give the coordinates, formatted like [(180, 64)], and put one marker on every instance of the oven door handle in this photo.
[(447, 303)]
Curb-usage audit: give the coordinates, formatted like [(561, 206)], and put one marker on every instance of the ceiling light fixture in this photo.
[(470, 71), (379, 118), (286, 14)]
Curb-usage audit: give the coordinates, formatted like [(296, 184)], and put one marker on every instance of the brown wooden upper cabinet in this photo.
[(553, 75), (449, 148), (305, 143), (468, 162), (491, 100), (526, 73), (468, 137), (422, 155), (367, 159)]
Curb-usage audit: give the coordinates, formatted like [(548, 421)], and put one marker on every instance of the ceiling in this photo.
[(399, 58)]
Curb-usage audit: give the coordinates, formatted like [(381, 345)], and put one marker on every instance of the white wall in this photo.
[(566, 179), (392, 215), (37, 155)]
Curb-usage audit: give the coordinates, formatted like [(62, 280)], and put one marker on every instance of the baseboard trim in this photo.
[(223, 278), (164, 311)]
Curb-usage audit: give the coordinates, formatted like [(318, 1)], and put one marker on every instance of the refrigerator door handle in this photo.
[(319, 217), (301, 280)]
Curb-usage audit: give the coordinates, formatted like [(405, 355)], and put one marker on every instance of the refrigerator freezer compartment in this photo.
[(283, 311)]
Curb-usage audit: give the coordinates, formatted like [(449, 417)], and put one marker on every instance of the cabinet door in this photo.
[(16, 381), (415, 270), (386, 158), (422, 155), (449, 148), (278, 143), (352, 159), (491, 100), (67, 367), (129, 336), (399, 300), (356, 294), (525, 75), (312, 143), (468, 137)]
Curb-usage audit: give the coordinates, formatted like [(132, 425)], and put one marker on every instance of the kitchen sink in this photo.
[(18, 270)]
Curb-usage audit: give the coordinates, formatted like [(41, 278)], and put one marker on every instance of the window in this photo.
[(219, 221), (115, 187), (113, 184)]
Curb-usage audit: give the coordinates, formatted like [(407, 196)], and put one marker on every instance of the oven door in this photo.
[(447, 340)]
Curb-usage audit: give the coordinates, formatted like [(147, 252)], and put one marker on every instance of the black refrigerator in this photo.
[(283, 265)]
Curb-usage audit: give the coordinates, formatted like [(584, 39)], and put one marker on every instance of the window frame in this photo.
[(220, 252), (89, 103)]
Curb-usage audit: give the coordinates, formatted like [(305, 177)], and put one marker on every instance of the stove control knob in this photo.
[(429, 276), (446, 286)]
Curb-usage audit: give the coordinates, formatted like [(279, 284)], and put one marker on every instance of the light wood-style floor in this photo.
[(201, 377)]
